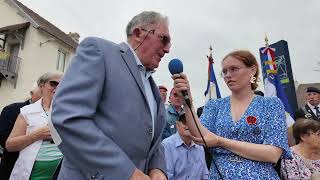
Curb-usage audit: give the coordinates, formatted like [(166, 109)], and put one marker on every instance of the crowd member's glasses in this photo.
[(165, 40), (233, 70), (53, 83), (315, 133)]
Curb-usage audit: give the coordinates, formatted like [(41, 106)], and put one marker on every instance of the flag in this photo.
[(212, 91), (273, 86)]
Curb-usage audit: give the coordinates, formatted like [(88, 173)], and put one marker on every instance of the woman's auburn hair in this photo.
[(249, 60)]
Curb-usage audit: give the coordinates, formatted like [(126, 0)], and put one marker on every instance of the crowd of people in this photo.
[(118, 124)]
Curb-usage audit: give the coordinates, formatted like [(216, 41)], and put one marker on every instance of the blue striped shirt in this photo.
[(184, 161)]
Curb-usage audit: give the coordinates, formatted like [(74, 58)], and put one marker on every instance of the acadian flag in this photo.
[(273, 86), (212, 91)]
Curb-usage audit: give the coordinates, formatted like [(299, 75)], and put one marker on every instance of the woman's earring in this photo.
[(252, 79)]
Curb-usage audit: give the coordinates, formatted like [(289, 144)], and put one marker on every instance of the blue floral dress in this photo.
[(262, 123)]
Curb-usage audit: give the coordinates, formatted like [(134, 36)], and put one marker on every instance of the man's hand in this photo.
[(139, 175), (156, 174)]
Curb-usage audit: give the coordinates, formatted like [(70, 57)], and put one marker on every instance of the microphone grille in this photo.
[(175, 66)]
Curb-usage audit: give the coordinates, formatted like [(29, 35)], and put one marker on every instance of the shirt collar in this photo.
[(139, 64), (179, 141), (38, 106), (312, 107), (173, 110)]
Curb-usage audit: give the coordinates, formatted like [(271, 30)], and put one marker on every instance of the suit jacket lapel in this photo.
[(155, 91), (128, 58), (160, 105)]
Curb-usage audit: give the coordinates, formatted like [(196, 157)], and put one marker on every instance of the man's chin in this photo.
[(152, 67)]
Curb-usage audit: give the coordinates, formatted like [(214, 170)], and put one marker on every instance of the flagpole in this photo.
[(210, 64), (266, 39)]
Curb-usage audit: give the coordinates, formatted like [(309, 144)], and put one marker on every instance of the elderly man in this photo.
[(108, 110), (174, 110), (8, 117), (311, 109), (163, 92)]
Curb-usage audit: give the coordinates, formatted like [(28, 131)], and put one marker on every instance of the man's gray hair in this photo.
[(46, 77), (145, 18)]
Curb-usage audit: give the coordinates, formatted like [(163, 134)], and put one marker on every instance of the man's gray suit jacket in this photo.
[(101, 113)]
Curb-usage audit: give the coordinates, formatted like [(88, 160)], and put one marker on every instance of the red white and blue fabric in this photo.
[(272, 84), (212, 91)]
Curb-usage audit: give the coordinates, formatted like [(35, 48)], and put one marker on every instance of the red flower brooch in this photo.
[(251, 120)]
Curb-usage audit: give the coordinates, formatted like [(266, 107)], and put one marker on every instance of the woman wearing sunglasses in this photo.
[(247, 133), (305, 163), (39, 156)]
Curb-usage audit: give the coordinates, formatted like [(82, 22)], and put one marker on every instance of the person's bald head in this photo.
[(35, 93)]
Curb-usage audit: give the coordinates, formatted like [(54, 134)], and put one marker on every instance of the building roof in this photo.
[(46, 25), (14, 27)]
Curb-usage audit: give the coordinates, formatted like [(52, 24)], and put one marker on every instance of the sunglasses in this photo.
[(53, 83), (165, 40)]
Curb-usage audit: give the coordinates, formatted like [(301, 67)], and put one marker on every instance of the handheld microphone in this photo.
[(176, 67)]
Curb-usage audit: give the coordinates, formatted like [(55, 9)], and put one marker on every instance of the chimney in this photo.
[(75, 36)]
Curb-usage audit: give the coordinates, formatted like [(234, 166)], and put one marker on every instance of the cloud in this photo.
[(195, 25)]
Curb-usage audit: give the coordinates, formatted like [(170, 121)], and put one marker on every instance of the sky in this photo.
[(227, 25)]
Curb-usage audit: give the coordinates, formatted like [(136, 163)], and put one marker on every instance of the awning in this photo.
[(12, 28)]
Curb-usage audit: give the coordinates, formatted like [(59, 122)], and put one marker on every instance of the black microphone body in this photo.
[(186, 98)]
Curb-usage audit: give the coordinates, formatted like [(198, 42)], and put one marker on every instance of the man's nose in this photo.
[(166, 49)]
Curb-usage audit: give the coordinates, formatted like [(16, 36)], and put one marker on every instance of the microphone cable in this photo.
[(205, 144), (142, 40)]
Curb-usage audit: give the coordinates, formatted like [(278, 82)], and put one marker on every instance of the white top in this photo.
[(36, 118)]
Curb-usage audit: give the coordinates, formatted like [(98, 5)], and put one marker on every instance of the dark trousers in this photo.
[(7, 163)]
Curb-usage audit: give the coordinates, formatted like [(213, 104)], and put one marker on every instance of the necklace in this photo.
[(44, 111)]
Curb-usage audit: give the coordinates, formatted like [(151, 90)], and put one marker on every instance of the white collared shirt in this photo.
[(147, 87), (313, 108)]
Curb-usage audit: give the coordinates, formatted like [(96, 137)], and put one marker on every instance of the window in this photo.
[(2, 41), (61, 61)]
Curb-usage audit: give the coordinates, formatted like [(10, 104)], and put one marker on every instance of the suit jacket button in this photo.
[(150, 130)]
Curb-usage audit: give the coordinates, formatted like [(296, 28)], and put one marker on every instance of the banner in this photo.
[(272, 74), (284, 70)]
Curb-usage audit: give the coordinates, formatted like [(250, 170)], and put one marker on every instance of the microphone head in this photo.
[(175, 66)]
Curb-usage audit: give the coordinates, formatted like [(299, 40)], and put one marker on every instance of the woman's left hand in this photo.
[(211, 139)]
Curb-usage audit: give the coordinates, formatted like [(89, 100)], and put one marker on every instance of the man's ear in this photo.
[(136, 32)]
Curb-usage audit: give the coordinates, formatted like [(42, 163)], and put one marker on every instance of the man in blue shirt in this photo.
[(174, 110), (185, 159)]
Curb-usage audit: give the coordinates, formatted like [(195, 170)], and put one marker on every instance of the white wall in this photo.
[(9, 15), (36, 59)]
